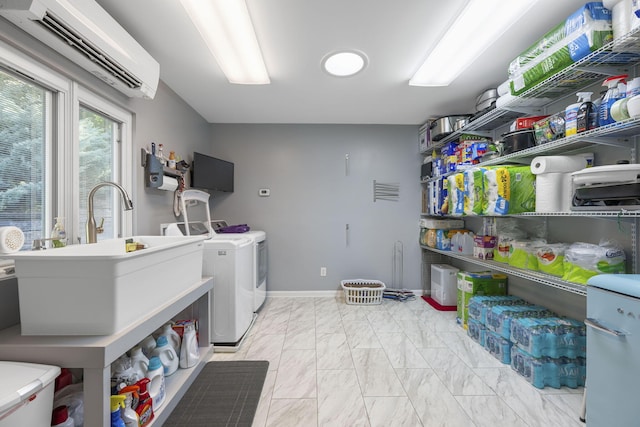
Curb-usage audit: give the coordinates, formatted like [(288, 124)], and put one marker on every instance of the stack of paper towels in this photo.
[(554, 189)]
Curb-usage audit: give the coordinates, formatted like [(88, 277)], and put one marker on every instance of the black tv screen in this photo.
[(210, 173)]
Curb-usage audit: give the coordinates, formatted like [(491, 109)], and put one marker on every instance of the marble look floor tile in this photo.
[(376, 375), (469, 351), (462, 380), (340, 402), (489, 411), (296, 375), (304, 324), (391, 412), (533, 407), (329, 325), (570, 404), (266, 347), (423, 338), (351, 313), (383, 322), (333, 352), (274, 324), (439, 357), (304, 339), (293, 413), (434, 404), (401, 351), (262, 411), (400, 311), (360, 334)]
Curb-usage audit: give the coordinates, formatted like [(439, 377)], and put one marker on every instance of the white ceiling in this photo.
[(296, 34)]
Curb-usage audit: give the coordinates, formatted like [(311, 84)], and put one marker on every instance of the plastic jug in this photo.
[(167, 355), (60, 417), (139, 362), (189, 352), (172, 336), (148, 344), (156, 383)]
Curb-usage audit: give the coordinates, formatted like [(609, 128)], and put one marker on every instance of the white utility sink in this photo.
[(99, 288)]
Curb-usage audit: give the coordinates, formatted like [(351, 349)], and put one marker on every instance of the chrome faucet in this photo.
[(92, 230)]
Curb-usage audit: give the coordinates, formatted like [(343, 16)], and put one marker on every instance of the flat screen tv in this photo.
[(210, 173)]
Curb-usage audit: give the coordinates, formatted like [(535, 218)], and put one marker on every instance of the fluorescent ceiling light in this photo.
[(225, 26), (344, 63), (478, 26)]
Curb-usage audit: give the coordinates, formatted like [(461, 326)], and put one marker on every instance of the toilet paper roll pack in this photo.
[(11, 239)]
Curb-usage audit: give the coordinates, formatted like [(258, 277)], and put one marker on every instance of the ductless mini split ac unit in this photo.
[(86, 34)]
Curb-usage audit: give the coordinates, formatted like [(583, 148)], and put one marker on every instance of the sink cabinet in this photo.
[(94, 354)]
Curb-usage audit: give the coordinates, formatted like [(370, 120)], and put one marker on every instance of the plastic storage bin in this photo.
[(444, 284), (26, 394), (363, 292)]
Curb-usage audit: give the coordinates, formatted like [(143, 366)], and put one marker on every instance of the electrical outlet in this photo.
[(323, 271)]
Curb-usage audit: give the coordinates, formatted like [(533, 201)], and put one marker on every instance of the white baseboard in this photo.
[(318, 294)]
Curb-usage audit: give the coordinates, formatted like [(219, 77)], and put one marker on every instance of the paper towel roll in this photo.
[(549, 192), (169, 183), (11, 239), (554, 164)]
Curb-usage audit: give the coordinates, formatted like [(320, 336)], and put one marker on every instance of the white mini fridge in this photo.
[(613, 346)]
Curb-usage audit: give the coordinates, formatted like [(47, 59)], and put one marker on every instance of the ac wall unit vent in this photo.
[(86, 34)]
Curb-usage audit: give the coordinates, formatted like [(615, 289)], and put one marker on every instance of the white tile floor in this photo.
[(394, 364)]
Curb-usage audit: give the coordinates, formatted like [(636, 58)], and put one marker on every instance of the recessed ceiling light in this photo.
[(344, 63)]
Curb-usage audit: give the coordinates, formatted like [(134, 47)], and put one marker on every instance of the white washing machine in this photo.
[(259, 249), (259, 240), (228, 261)]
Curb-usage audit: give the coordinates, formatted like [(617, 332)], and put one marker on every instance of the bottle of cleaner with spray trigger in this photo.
[(117, 402), (571, 113), (616, 89), (587, 117)]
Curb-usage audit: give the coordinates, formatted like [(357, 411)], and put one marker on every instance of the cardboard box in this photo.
[(480, 283)]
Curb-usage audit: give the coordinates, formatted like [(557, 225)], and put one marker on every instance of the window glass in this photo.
[(98, 146), (24, 107)]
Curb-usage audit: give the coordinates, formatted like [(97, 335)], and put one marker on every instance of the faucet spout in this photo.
[(92, 232)]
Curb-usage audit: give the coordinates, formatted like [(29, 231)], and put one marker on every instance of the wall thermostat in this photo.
[(264, 192)]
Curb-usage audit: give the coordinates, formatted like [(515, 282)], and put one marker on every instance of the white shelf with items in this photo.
[(94, 354), (534, 276)]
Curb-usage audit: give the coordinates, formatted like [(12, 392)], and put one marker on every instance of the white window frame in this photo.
[(123, 154), (62, 156)]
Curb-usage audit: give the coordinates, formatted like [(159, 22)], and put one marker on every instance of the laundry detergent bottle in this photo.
[(616, 89)]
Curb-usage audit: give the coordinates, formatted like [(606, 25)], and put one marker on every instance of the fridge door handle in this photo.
[(600, 327)]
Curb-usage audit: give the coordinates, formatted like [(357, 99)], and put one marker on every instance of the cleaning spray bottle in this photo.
[(571, 114), (117, 402), (129, 415), (587, 117), (58, 234), (614, 92), (145, 403)]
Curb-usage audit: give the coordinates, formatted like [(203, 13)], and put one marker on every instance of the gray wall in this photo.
[(166, 120), (313, 197)]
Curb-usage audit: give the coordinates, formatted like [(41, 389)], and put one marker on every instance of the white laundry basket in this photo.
[(26, 394), (362, 291)]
